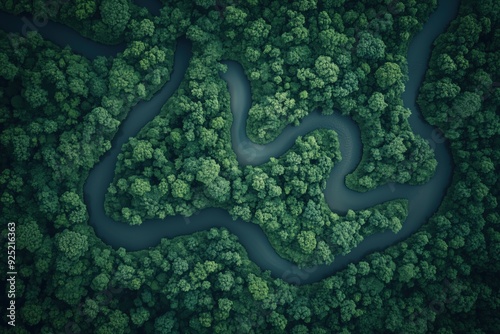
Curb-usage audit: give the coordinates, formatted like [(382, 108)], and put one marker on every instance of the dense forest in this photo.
[(60, 111), (183, 162)]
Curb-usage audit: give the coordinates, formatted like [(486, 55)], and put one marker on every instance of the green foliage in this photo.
[(32, 314), (180, 189), (307, 241), (377, 103), (72, 244), (388, 74), (59, 113), (205, 3), (100, 282), (257, 287), (115, 15), (29, 236), (85, 9), (370, 47), (208, 171)]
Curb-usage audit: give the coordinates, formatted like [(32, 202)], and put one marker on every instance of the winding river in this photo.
[(424, 200)]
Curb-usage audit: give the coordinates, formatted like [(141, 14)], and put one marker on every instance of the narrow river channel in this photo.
[(424, 200)]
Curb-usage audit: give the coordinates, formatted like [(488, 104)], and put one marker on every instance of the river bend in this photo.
[(424, 200)]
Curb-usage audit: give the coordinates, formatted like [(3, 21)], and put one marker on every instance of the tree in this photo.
[(257, 31), (299, 311), (118, 321), (84, 9), (407, 272), (219, 189), (278, 320), (32, 314), (139, 187), (332, 40), (99, 119), (225, 306), (225, 281), (125, 275), (377, 102), (466, 104), (208, 171), (100, 282), (383, 267), (123, 78), (139, 316), (312, 212), (29, 236), (135, 49), (142, 150), (35, 96), (73, 207), (180, 189), (446, 64), (305, 5), (326, 69), (7, 70), (347, 310), (70, 290), (370, 47), (165, 323), (234, 16), (142, 29), (115, 14), (90, 308), (307, 241), (257, 287), (388, 74), (72, 244)]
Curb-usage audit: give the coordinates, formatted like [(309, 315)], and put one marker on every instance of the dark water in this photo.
[(423, 200), (57, 33)]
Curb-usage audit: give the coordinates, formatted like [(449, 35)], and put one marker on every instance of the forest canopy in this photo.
[(60, 112)]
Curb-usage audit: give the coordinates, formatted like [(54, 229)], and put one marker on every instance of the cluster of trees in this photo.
[(102, 20), (60, 111), (460, 96), (182, 162), (339, 57), (169, 170)]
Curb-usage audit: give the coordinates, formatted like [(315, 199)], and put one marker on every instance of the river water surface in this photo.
[(423, 200)]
